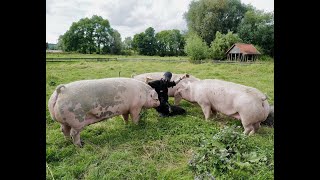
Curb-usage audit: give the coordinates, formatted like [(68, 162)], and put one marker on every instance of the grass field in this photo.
[(158, 148), (76, 55)]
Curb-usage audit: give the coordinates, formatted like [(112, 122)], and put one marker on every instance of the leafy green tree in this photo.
[(196, 48), (170, 43), (257, 27), (222, 43), (127, 43), (150, 42), (92, 35), (137, 42), (60, 44), (115, 47), (206, 17), (145, 43)]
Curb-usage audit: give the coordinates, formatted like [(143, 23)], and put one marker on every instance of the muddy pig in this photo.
[(81, 103)]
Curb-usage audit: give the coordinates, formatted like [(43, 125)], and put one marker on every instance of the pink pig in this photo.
[(81, 103), (242, 102)]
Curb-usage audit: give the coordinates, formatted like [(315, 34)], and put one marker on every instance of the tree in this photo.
[(206, 17), (150, 42), (170, 43), (257, 27), (91, 35), (145, 42), (127, 43), (196, 48), (115, 47), (222, 43), (60, 44), (137, 43)]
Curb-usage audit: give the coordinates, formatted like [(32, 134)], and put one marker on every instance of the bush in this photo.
[(196, 48), (222, 43), (227, 154), (127, 52), (265, 58)]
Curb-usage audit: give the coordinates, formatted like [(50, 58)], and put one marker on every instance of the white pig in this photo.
[(242, 102), (81, 103)]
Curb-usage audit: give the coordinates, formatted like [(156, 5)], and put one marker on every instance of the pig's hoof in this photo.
[(81, 144)]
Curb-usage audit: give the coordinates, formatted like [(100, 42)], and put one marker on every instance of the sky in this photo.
[(128, 17)]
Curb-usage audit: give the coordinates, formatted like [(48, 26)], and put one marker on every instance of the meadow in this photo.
[(161, 148)]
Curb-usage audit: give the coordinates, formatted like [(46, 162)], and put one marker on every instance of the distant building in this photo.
[(242, 52), (52, 46), (54, 51)]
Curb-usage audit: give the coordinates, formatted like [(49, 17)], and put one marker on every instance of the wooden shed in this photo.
[(242, 52)]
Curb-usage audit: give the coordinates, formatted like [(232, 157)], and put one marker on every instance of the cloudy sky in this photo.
[(127, 16)]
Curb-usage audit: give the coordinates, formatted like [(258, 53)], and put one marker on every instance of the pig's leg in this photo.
[(214, 112), (177, 99), (75, 134), (206, 108), (248, 128), (66, 130), (125, 118), (256, 126), (134, 113)]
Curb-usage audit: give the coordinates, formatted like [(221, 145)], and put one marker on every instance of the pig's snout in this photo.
[(156, 102)]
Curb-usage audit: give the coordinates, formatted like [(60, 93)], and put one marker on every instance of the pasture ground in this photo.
[(157, 148)]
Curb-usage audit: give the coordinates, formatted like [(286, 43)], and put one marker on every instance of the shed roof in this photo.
[(245, 48)]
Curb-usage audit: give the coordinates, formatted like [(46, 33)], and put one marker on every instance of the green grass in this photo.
[(77, 55), (157, 148)]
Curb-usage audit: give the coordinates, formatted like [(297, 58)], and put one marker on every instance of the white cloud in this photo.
[(127, 16), (266, 5)]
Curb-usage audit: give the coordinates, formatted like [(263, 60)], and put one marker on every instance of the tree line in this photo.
[(213, 26)]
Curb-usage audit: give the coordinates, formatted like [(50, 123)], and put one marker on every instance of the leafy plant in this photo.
[(196, 48), (226, 153)]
